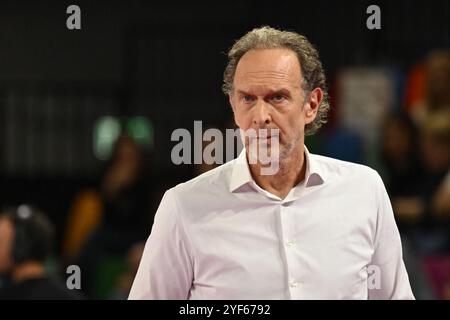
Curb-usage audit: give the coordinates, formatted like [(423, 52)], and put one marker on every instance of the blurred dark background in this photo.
[(152, 67)]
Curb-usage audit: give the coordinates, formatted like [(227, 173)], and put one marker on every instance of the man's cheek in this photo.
[(242, 123)]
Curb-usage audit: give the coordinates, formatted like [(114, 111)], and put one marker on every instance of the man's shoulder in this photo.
[(333, 167), (214, 179)]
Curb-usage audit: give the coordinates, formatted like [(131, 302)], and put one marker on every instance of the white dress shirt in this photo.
[(221, 236)]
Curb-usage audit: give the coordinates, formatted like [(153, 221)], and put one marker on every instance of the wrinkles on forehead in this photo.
[(270, 68), (273, 81)]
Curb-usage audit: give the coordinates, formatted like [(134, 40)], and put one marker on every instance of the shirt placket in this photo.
[(290, 246)]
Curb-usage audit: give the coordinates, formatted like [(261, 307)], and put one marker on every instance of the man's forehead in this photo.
[(269, 64)]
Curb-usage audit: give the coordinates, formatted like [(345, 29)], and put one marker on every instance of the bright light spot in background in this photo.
[(107, 130), (141, 130), (24, 212)]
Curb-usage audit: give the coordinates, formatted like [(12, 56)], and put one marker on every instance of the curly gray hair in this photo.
[(311, 67)]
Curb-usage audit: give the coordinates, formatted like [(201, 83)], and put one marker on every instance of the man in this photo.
[(25, 242), (317, 228)]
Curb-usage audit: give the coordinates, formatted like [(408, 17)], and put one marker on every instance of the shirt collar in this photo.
[(315, 173)]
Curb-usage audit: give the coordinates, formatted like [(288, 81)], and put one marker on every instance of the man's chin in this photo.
[(264, 156)]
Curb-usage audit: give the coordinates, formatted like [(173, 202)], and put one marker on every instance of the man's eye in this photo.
[(247, 98), (278, 98)]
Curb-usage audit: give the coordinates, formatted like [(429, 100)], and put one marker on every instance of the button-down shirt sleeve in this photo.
[(392, 281), (165, 271)]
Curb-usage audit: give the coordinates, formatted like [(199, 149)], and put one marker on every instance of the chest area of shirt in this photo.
[(315, 243)]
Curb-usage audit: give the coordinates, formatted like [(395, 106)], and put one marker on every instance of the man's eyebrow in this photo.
[(242, 92), (271, 92), (280, 91)]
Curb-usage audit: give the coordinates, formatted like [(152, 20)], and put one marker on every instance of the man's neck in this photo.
[(292, 170), (28, 270)]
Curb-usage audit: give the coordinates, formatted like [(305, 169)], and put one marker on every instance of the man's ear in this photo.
[(312, 106)]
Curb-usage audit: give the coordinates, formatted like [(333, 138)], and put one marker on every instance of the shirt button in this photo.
[(290, 243), (294, 284)]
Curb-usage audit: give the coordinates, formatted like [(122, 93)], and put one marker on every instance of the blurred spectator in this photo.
[(417, 162), (402, 168), (125, 281), (436, 86), (25, 244), (84, 216), (435, 152), (441, 199), (433, 238), (125, 218)]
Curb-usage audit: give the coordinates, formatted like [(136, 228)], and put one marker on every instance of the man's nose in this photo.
[(261, 116)]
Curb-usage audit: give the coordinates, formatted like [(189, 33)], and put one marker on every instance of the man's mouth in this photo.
[(264, 135)]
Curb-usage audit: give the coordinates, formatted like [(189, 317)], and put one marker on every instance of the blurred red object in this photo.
[(415, 88), (438, 271)]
